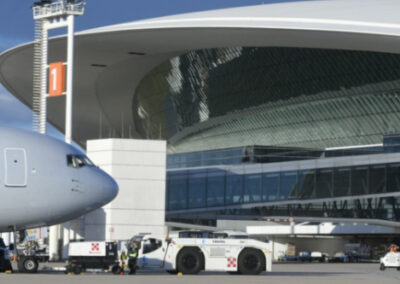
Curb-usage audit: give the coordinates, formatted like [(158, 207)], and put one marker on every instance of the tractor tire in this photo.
[(189, 261), (116, 269), (251, 261), (77, 269), (29, 265), (382, 267)]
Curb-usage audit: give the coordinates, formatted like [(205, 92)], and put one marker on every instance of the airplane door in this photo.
[(15, 167)]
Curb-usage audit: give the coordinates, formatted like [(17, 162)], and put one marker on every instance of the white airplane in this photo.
[(44, 181)]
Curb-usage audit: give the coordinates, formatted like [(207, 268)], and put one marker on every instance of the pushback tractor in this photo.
[(192, 255)]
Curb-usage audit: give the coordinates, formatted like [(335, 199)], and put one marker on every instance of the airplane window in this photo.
[(88, 162), (78, 161), (70, 161)]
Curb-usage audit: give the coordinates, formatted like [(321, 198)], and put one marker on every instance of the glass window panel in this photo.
[(393, 177), (197, 189), (377, 179), (215, 188), (324, 183), (252, 188), (288, 184), (234, 188), (177, 192), (306, 184), (341, 182), (359, 180), (270, 186)]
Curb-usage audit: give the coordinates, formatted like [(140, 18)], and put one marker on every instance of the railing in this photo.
[(57, 9)]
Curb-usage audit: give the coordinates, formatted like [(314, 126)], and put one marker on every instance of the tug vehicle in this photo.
[(192, 255), (391, 259)]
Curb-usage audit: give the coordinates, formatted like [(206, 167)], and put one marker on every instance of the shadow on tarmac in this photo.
[(269, 274)]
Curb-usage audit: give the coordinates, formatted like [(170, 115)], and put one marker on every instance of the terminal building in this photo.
[(282, 114)]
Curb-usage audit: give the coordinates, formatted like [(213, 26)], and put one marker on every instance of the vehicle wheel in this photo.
[(189, 261), (382, 267), (77, 269), (398, 268), (30, 265), (116, 269), (251, 261)]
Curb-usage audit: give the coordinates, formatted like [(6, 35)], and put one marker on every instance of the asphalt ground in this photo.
[(297, 273)]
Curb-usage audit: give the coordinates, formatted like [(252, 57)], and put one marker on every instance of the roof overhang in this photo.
[(111, 61)]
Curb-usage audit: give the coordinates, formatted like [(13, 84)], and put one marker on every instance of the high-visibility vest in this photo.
[(133, 254), (123, 256)]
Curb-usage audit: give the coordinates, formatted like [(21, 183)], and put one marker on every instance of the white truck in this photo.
[(92, 255), (390, 260), (192, 255)]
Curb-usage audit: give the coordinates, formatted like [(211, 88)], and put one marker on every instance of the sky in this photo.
[(16, 27)]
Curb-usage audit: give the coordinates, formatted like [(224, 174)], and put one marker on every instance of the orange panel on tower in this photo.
[(56, 79)]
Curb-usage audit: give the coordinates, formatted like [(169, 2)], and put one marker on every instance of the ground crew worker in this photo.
[(393, 248), (122, 261), (133, 255)]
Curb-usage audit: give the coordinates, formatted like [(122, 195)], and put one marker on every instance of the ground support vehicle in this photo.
[(339, 257), (5, 258), (304, 256), (390, 260), (192, 255), (290, 257), (318, 256), (92, 255), (27, 263)]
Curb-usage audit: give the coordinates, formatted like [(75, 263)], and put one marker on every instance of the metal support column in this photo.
[(53, 15), (70, 79)]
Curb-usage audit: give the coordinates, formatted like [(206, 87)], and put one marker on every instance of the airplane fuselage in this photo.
[(44, 181)]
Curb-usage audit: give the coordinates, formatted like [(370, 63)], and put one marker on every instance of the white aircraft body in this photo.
[(44, 181)]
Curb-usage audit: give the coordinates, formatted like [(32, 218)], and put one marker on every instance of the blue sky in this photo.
[(16, 27)]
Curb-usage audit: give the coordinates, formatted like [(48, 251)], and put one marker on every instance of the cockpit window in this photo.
[(78, 161)]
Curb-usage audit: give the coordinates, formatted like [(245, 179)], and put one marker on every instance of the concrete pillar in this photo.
[(66, 233), (53, 243), (139, 167)]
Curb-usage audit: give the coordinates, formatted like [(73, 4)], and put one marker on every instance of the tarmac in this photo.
[(297, 273)]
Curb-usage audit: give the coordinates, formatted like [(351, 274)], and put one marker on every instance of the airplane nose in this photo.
[(110, 189)]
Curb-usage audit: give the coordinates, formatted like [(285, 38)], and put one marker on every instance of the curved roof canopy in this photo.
[(111, 61)]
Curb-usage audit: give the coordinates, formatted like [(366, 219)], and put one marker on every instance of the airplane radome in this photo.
[(44, 181)]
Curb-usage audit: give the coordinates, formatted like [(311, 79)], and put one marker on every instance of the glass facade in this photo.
[(384, 208), (289, 105), (213, 187), (265, 154), (297, 97)]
